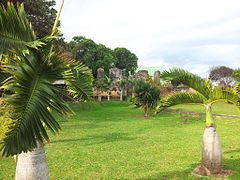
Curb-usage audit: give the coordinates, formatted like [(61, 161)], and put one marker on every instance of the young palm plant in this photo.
[(33, 66), (147, 96), (206, 94)]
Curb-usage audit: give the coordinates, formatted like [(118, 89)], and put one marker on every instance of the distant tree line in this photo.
[(99, 56)]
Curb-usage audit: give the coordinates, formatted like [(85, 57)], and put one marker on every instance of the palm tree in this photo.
[(33, 66), (147, 95), (122, 84), (206, 94)]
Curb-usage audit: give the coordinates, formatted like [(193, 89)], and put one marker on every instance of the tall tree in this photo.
[(205, 94), (222, 75), (126, 60), (93, 55)]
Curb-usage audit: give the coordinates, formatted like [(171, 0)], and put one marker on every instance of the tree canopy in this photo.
[(99, 56), (126, 60), (222, 74), (93, 55)]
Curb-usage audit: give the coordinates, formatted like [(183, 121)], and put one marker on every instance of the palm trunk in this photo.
[(99, 96), (121, 95), (108, 96), (211, 147), (133, 94), (32, 165), (146, 112)]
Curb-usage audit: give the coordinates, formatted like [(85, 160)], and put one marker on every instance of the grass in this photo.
[(114, 141)]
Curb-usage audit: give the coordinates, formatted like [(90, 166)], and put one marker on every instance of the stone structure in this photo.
[(156, 78), (100, 73), (115, 74), (142, 74)]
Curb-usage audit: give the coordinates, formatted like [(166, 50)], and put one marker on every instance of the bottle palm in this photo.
[(206, 94)]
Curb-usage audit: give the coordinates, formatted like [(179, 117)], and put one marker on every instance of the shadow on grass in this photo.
[(99, 139), (232, 151), (183, 175)]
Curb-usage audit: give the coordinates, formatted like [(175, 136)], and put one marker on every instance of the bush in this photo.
[(147, 95)]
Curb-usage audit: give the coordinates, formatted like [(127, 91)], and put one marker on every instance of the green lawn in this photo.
[(114, 141)]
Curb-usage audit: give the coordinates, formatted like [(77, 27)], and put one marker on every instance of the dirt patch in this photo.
[(203, 171)]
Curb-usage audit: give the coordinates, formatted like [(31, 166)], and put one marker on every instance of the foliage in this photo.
[(222, 74), (134, 101), (93, 55), (147, 95), (103, 84), (236, 75), (126, 60), (5, 118), (33, 67), (117, 143), (99, 56)]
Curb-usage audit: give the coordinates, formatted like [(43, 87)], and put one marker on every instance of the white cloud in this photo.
[(191, 34)]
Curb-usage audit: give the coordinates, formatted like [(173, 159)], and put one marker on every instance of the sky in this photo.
[(192, 34)]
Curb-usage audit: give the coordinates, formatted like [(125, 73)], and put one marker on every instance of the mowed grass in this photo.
[(114, 141)]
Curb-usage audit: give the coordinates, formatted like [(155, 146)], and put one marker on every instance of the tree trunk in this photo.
[(211, 147), (32, 165), (99, 98), (211, 151), (108, 96), (121, 95), (146, 112)]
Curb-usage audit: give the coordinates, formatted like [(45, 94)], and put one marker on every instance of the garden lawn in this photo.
[(114, 141)]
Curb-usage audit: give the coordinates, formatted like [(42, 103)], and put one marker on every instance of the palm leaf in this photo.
[(77, 76), (33, 93), (191, 80), (15, 30), (181, 98), (220, 93)]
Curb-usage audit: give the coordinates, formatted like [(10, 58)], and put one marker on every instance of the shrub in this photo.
[(147, 95)]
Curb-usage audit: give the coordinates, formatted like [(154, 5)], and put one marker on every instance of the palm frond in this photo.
[(33, 93), (220, 93), (15, 30), (78, 78), (180, 98), (191, 80)]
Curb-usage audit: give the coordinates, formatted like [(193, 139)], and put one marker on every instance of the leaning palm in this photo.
[(206, 94), (33, 67)]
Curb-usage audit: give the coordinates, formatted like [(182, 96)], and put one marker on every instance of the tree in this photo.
[(122, 84), (93, 55), (103, 84), (33, 67), (222, 74), (126, 60), (147, 96), (205, 94), (236, 75)]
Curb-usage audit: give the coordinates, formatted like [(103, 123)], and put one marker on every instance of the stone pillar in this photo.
[(157, 78)]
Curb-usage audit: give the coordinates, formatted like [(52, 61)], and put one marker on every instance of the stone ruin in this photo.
[(142, 74), (116, 75), (100, 73)]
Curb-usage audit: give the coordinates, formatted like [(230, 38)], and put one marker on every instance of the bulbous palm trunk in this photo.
[(211, 147), (32, 165), (211, 151)]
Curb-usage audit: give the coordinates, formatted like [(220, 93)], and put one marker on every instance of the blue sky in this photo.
[(191, 34)]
